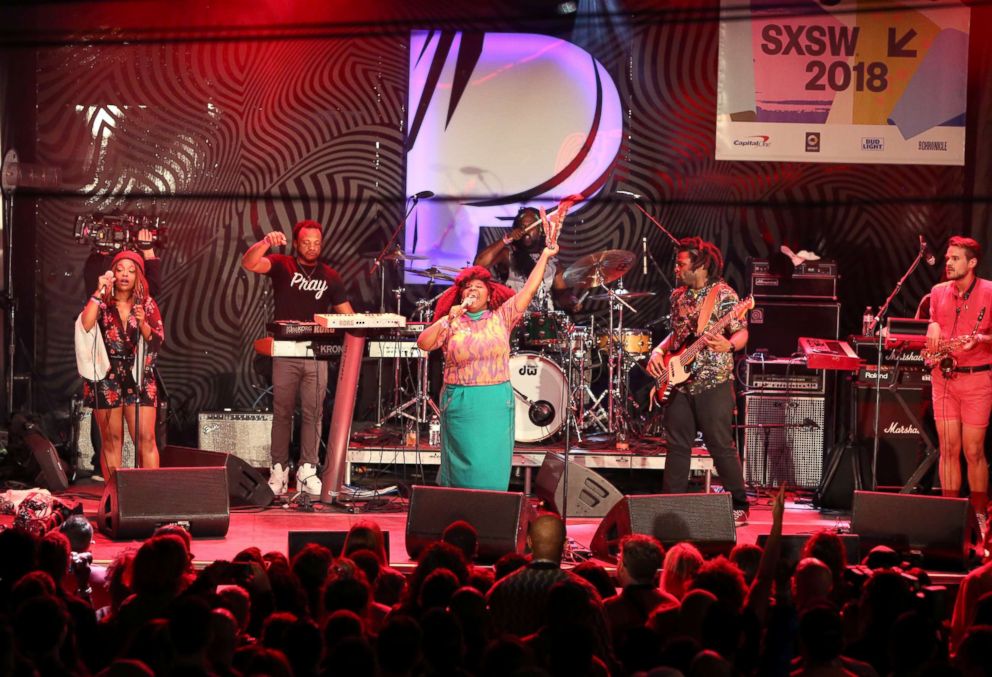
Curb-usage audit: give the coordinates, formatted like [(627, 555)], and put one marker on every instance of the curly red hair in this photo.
[(498, 293)]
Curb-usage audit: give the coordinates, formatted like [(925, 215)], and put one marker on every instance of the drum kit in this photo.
[(553, 359)]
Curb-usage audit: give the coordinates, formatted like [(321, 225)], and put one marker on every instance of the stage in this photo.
[(268, 528)]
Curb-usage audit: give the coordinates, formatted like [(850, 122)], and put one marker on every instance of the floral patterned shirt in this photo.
[(710, 368)]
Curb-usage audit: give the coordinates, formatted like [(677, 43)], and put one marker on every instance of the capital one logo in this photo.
[(497, 121)]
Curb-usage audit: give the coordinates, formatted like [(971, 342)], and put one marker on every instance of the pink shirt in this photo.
[(957, 316), (477, 352)]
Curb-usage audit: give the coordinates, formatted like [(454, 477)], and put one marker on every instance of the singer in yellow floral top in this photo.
[(477, 400), (131, 327)]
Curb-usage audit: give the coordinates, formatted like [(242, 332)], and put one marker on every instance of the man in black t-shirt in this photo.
[(302, 286)]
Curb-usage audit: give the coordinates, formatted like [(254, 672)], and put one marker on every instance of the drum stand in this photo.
[(421, 398), (616, 416)]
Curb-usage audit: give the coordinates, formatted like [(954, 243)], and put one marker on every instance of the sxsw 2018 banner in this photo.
[(843, 81)]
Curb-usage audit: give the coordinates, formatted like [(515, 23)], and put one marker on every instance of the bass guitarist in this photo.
[(704, 401)]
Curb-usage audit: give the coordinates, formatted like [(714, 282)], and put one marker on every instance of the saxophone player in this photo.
[(959, 341)]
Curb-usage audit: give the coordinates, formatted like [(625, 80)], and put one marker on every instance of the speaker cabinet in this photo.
[(245, 485), (246, 434), (939, 528), (139, 500), (50, 472), (901, 447), (589, 494), (776, 327), (843, 474), (783, 440), (792, 547), (706, 520), (500, 517)]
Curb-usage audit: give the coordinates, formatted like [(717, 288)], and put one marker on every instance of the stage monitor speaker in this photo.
[(246, 434), (45, 459), (783, 440), (589, 494), (901, 447), (705, 520), (793, 544), (844, 473), (245, 485), (139, 500), (500, 517), (332, 540), (776, 327), (939, 528)]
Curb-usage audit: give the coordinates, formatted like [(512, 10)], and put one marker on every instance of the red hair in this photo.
[(498, 293)]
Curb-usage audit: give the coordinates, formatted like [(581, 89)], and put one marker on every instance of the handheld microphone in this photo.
[(629, 194), (644, 249), (422, 195), (927, 252)]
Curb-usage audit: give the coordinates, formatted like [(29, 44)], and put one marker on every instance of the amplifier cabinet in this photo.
[(784, 376), (245, 434), (776, 326), (901, 445), (813, 280), (783, 440)]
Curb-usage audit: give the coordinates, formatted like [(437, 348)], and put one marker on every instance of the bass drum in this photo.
[(538, 391)]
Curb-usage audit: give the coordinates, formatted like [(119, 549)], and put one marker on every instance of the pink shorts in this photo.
[(966, 398)]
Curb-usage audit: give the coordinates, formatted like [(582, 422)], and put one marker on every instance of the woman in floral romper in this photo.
[(126, 315)]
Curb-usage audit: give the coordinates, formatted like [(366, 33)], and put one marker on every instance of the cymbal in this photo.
[(394, 255), (433, 272), (600, 268), (624, 294)]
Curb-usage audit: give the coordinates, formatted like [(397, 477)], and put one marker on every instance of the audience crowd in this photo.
[(664, 613)]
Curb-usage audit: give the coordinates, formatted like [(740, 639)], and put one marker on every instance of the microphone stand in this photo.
[(653, 220), (882, 312), (392, 238)]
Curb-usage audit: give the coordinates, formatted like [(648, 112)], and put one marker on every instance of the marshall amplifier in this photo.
[(867, 349), (784, 376), (246, 434), (904, 416), (810, 280)]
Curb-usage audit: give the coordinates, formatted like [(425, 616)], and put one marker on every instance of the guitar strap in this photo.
[(706, 311)]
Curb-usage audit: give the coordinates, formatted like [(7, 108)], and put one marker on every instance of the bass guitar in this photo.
[(677, 362)]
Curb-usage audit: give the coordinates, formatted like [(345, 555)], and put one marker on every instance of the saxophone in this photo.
[(934, 358)]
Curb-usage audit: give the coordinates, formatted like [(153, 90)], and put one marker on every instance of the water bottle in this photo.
[(434, 432), (867, 320)]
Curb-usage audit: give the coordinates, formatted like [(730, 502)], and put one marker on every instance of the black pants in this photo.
[(712, 412)]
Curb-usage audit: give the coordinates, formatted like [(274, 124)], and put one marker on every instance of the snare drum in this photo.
[(631, 341), (579, 340), (541, 381), (543, 329)]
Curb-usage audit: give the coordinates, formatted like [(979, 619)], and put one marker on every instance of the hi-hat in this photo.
[(394, 255), (624, 294), (600, 268), (433, 272)]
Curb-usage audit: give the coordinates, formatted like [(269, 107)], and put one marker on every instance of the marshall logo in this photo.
[(528, 370), (898, 429)]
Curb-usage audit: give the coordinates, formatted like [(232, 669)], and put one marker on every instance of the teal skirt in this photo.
[(476, 436)]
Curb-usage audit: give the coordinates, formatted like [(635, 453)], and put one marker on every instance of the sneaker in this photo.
[(307, 479), (740, 516), (279, 479)]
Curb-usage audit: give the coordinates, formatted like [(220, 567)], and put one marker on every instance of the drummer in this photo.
[(513, 258)]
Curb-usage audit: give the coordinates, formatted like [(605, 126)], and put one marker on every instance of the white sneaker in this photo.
[(279, 479), (307, 479)]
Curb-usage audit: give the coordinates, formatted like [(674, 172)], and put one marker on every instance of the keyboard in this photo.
[(829, 354), (360, 320), (276, 348), (394, 348), (290, 330)]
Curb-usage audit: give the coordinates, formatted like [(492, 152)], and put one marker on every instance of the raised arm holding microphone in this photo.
[(475, 319), (131, 328)]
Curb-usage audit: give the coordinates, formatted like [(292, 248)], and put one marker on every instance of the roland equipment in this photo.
[(828, 354), (360, 320)]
